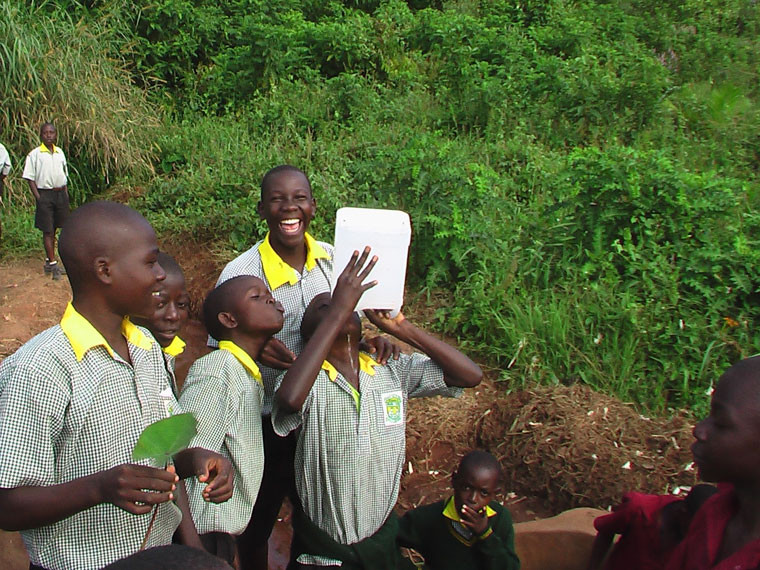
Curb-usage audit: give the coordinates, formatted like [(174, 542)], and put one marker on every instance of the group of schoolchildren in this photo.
[(290, 403)]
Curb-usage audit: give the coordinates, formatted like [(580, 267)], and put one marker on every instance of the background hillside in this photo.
[(582, 176)]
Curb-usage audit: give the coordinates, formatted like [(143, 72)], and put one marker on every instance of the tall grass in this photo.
[(55, 68)]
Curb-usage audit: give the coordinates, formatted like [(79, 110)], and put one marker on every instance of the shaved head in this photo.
[(478, 459), (742, 381), (97, 229)]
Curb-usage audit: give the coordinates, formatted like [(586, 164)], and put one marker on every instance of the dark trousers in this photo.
[(277, 482)]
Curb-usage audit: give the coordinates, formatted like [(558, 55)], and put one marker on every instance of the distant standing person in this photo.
[(46, 173), (5, 168)]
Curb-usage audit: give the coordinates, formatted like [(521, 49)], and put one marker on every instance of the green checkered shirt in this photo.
[(294, 298), (349, 461), (225, 395), (63, 417)]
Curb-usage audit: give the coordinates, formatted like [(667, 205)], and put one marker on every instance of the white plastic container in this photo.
[(388, 233)]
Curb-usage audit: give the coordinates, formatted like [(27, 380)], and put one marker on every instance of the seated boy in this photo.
[(296, 267), (224, 391), (75, 398), (469, 530), (650, 527), (725, 532), (352, 415)]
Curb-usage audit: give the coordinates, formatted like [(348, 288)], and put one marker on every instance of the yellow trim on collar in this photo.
[(278, 272), (83, 336), (43, 148), (243, 357), (450, 511), (176, 347), (366, 364)]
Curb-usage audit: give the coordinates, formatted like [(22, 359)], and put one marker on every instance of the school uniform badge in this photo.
[(393, 408)]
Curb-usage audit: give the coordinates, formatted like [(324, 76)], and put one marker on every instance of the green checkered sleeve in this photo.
[(31, 412)]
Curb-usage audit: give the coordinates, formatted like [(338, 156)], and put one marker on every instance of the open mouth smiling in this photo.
[(290, 226)]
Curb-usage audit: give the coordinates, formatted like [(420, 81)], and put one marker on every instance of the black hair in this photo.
[(170, 265), (220, 300), (170, 557), (46, 124), (88, 233), (479, 459), (308, 322), (273, 172)]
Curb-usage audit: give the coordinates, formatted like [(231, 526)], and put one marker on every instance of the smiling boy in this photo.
[(470, 529), (75, 398), (725, 532), (171, 309)]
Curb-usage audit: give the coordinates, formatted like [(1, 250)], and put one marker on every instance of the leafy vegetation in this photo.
[(582, 177)]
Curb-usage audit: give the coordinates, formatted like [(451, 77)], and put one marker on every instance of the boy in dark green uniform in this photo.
[(469, 530)]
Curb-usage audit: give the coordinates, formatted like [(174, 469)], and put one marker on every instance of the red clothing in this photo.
[(699, 549), (636, 520)]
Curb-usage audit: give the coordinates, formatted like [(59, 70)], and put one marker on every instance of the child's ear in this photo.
[(455, 479), (227, 320), (313, 206), (260, 209), (102, 268)]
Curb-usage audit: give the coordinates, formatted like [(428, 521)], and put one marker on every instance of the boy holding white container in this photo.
[(352, 418)]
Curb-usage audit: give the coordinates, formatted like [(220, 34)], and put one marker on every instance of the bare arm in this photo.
[(458, 369), (33, 188), (23, 508), (186, 533), (300, 376)]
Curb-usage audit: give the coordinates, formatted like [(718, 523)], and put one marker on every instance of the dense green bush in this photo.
[(582, 177)]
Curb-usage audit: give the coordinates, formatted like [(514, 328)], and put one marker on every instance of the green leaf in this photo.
[(162, 439)]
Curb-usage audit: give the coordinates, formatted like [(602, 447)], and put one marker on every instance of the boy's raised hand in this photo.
[(350, 287), (136, 488), (381, 348), (383, 321)]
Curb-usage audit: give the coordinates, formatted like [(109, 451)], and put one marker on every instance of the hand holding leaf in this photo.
[(162, 439)]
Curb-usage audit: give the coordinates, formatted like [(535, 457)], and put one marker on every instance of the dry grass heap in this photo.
[(568, 445)]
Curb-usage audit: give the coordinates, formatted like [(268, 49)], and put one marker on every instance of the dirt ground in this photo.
[(561, 447)]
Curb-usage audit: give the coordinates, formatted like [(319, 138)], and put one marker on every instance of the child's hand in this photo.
[(381, 347), (349, 287), (383, 321), (136, 488), (276, 355), (215, 470), (476, 521)]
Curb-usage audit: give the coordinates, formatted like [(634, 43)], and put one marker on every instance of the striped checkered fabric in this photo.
[(348, 462), (294, 298), (61, 419), (226, 401)]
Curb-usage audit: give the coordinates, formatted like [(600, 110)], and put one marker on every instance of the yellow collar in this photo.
[(450, 511), (43, 148), (278, 272), (365, 363), (176, 347), (83, 336), (242, 357)]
